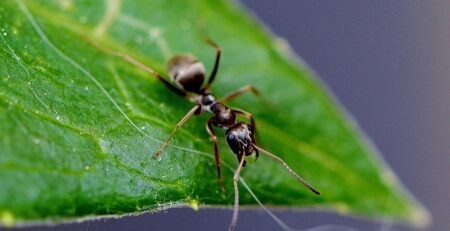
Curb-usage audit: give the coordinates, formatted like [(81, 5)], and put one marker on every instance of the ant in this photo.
[(188, 76)]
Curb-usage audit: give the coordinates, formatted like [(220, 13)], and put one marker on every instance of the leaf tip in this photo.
[(421, 218)]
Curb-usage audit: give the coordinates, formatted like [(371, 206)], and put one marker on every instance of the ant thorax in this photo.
[(224, 117)]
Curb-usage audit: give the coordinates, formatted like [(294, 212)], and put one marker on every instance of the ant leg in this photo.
[(212, 76), (138, 64), (236, 194), (252, 122), (210, 129), (179, 124), (239, 92)]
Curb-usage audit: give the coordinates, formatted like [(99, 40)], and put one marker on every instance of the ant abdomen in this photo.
[(241, 138), (186, 72)]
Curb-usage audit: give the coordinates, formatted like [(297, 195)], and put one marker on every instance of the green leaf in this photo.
[(78, 125)]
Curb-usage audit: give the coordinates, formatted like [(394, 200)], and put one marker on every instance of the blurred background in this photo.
[(388, 63)]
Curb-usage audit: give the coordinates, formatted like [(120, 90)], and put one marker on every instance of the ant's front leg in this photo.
[(294, 174), (210, 129)]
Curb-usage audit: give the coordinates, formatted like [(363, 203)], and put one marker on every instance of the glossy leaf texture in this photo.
[(78, 125)]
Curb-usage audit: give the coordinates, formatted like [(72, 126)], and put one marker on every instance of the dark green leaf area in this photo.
[(79, 125)]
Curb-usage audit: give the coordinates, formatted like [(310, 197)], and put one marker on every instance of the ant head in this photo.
[(186, 72), (241, 138)]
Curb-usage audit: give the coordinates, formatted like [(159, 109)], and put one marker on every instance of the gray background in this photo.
[(388, 63)]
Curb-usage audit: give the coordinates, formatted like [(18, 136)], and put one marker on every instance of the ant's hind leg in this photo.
[(237, 174), (211, 132), (138, 64), (179, 125)]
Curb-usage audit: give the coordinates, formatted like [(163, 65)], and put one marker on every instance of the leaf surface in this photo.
[(78, 125)]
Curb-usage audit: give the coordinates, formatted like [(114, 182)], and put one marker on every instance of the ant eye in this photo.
[(230, 137)]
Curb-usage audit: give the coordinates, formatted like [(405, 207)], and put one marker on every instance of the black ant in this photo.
[(188, 75)]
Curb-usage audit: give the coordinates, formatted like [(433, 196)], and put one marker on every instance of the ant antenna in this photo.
[(236, 194), (299, 178)]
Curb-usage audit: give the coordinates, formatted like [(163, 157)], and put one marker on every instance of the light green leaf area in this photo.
[(78, 126)]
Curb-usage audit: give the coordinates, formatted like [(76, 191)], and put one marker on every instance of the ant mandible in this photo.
[(188, 75)]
